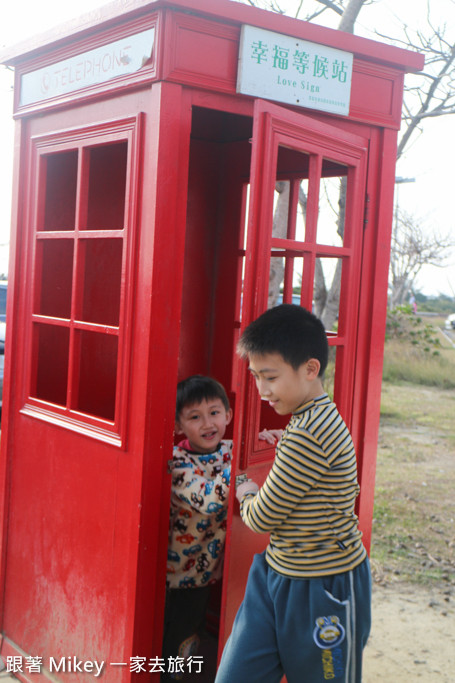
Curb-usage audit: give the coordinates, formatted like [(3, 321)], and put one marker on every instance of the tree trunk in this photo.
[(350, 15), (332, 306), (327, 302), (319, 290), (279, 229)]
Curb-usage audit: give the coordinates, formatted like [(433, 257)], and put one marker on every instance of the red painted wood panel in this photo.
[(85, 514)]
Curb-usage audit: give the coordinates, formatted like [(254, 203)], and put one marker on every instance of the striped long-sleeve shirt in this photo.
[(307, 500)]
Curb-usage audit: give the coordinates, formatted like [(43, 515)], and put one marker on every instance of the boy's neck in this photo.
[(317, 393), (318, 389)]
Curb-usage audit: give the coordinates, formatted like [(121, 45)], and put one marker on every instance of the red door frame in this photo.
[(273, 126)]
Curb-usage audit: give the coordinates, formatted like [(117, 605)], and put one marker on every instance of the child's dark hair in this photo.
[(196, 389), (289, 330)]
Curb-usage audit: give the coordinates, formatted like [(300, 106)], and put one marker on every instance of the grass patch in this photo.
[(408, 363), (413, 408), (417, 351), (413, 535)]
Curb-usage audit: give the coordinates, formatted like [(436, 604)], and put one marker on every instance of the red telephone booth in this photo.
[(147, 159)]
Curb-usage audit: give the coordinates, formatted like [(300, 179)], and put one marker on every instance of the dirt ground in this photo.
[(412, 638), (413, 635), (413, 562)]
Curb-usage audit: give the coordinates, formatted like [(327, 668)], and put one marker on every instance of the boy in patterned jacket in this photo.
[(201, 470)]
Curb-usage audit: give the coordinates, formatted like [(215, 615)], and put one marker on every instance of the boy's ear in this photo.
[(313, 367), (177, 428), (228, 416)]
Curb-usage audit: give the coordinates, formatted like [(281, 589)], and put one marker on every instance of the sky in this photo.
[(428, 161)]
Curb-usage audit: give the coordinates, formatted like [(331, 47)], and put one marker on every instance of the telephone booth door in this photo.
[(312, 164)]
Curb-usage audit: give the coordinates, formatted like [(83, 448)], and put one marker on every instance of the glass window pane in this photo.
[(106, 187), (97, 374), (281, 209), (289, 214), (60, 191), (101, 260), (289, 211), (276, 281), (55, 278), (51, 343), (326, 291), (287, 269), (332, 204), (303, 188)]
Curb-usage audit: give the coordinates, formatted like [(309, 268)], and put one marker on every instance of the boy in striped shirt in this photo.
[(307, 607)]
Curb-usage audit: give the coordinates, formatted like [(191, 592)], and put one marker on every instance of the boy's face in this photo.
[(204, 424), (283, 387)]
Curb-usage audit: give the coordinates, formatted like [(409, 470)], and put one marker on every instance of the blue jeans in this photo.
[(311, 630)]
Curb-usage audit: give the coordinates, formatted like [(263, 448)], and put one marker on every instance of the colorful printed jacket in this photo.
[(197, 529)]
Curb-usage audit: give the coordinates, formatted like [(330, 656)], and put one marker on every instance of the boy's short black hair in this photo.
[(196, 389), (290, 330)]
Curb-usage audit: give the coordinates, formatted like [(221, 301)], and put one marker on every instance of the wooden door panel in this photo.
[(306, 154)]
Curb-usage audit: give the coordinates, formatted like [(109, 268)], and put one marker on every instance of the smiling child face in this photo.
[(204, 424), (281, 385)]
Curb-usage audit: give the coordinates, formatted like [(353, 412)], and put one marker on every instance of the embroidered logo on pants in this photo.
[(328, 632)]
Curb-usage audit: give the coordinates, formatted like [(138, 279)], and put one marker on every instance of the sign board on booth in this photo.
[(119, 58), (286, 69)]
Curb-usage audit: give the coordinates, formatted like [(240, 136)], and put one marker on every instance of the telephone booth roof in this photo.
[(125, 13), (222, 10)]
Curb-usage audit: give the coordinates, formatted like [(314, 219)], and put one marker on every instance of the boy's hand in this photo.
[(246, 487), (271, 435)]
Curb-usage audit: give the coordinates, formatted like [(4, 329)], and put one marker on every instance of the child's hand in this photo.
[(271, 435), (246, 487)]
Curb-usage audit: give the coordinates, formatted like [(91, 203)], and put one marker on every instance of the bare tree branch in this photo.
[(413, 246), (432, 92), (332, 5), (436, 100)]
